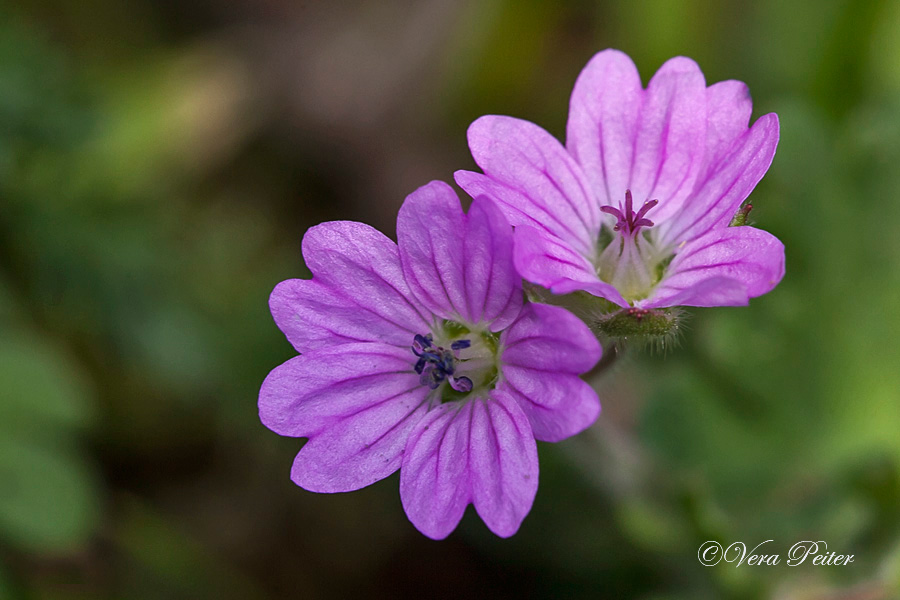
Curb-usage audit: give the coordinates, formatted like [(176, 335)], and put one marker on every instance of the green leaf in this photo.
[(42, 387), (6, 588), (48, 500)]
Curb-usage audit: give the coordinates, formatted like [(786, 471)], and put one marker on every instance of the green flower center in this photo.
[(457, 361)]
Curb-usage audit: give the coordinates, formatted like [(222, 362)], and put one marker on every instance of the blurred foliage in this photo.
[(159, 163)]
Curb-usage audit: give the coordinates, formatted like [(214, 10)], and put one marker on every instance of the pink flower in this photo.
[(636, 207), (422, 356)]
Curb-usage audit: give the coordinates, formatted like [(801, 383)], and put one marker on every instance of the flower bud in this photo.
[(742, 216), (658, 326)]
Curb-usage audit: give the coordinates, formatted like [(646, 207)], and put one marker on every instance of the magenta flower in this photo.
[(636, 207), (422, 356)]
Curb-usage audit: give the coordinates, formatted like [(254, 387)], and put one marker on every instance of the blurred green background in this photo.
[(159, 164)]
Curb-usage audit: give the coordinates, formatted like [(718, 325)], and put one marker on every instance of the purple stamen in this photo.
[(627, 220), (420, 342), (425, 374), (461, 384)]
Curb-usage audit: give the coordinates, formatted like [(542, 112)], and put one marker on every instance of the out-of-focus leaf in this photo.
[(6, 588), (7, 304), (840, 73), (48, 500), (890, 569), (498, 64), (174, 114), (174, 343), (41, 389), (176, 561), (653, 526)]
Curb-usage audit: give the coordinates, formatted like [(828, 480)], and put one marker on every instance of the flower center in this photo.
[(465, 359), (436, 364), (630, 261)]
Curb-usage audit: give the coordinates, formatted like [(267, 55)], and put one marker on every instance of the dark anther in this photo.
[(420, 343), (436, 364)]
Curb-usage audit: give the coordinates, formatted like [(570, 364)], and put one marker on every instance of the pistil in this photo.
[(629, 222), (627, 262)]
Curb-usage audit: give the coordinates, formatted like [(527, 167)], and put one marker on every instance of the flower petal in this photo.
[(550, 338), (603, 122), (750, 256), (357, 292), (671, 140), (493, 287), (458, 265), (546, 183), (430, 237), (503, 463), (356, 402), (557, 405), (435, 485), (360, 449), (312, 315), (309, 393), (546, 260), (718, 198), (544, 352), (729, 107), (480, 451), (715, 291)]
